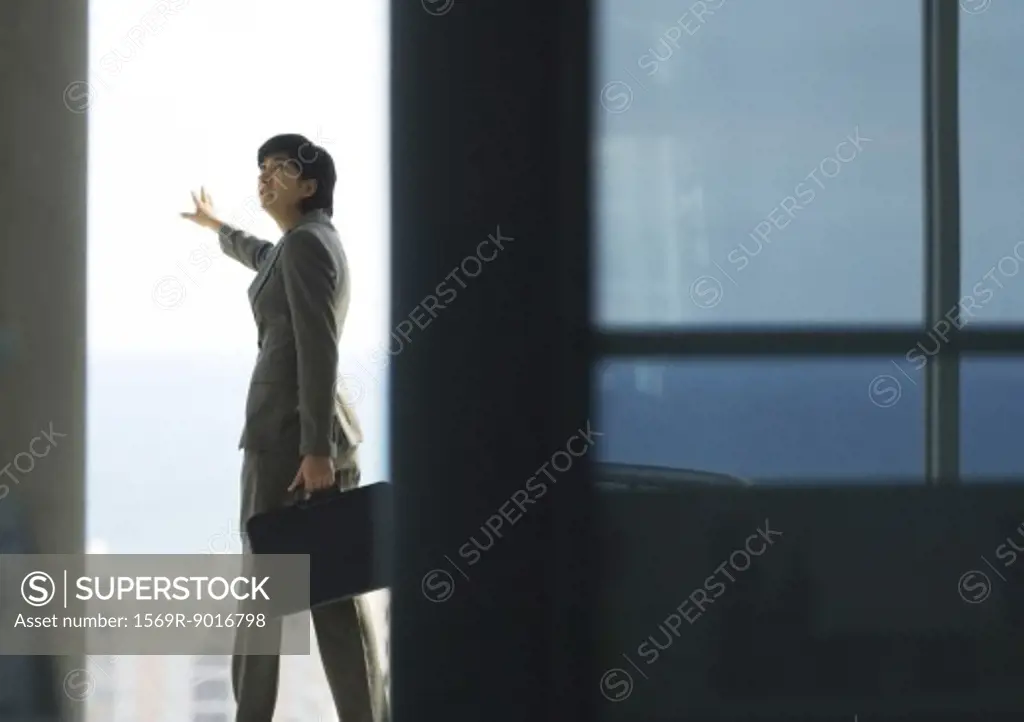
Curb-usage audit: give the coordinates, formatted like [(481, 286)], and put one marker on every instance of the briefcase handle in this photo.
[(317, 498), (325, 495)]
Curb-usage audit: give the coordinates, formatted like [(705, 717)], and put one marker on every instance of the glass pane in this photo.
[(992, 184), (172, 341), (991, 417), (758, 162), (763, 419)]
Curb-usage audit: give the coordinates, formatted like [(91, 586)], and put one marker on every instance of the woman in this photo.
[(297, 425)]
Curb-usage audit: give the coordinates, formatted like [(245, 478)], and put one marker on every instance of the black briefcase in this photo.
[(346, 534)]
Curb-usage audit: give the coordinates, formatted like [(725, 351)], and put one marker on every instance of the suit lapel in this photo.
[(317, 216), (264, 274)]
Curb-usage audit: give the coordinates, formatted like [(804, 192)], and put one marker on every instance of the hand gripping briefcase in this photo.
[(347, 535)]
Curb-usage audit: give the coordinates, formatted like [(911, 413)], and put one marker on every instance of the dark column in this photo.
[(490, 132), (42, 279)]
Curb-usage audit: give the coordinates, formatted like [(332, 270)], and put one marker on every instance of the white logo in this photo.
[(38, 589), (437, 7), (706, 292), (438, 585), (885, 391), (616, 97), (973, 7), (79, 684), (974, 587), (616, 685)]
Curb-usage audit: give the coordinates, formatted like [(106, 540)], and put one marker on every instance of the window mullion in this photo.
[(940, 20)]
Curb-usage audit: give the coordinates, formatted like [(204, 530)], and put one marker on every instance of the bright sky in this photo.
[(188, 104), (184, 92)]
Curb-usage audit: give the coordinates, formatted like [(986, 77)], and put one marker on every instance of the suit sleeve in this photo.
[(310, 281), (247, 250)]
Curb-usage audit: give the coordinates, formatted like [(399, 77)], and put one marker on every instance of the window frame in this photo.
[(941, 177)]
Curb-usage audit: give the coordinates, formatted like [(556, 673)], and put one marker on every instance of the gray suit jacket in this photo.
[(299, 299)]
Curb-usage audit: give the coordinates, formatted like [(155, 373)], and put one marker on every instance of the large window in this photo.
[(181, 95), (765, 165)]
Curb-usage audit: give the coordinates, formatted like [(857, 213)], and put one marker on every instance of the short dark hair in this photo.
[(314, 162)]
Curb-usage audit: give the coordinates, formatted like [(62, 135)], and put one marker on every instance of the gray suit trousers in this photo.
[(343, 629)]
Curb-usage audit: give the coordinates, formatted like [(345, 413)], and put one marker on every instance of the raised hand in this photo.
[(204, 214)]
